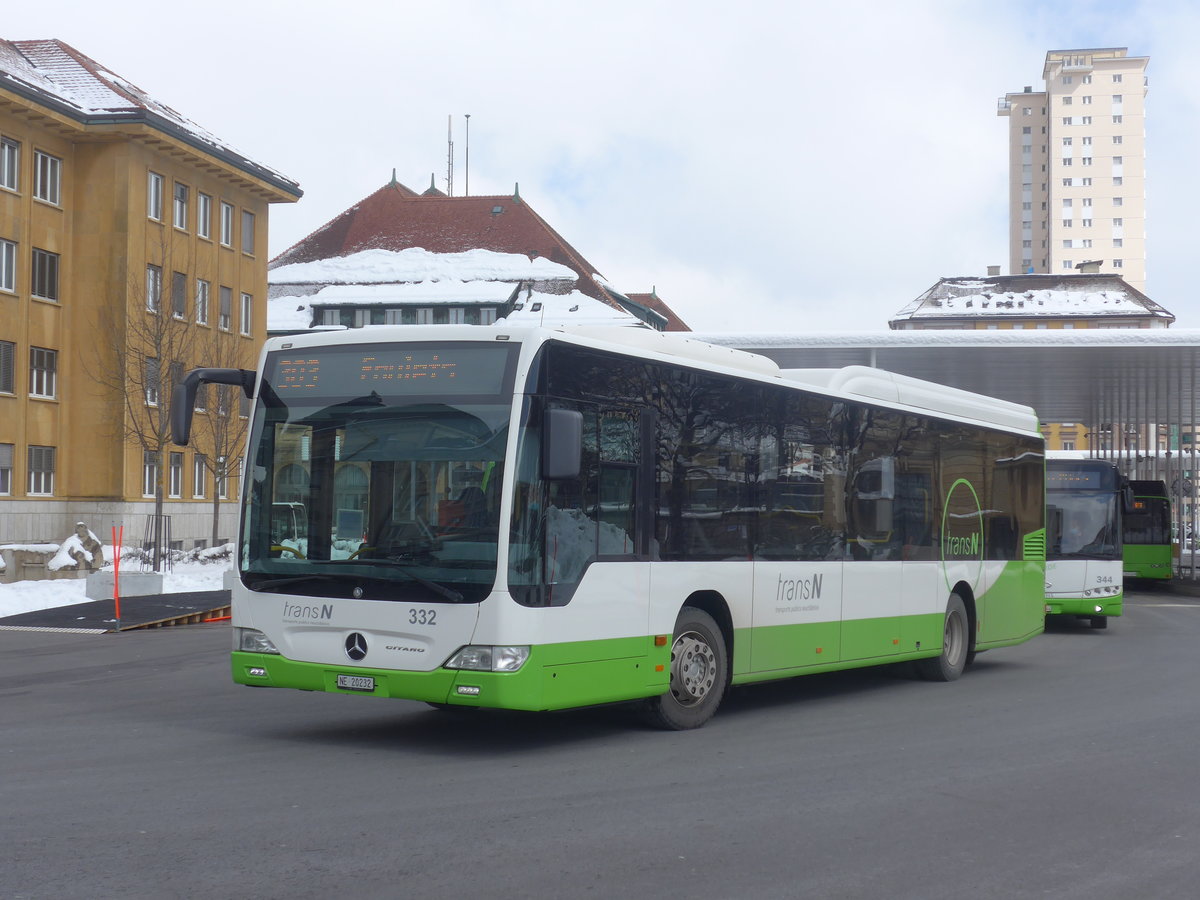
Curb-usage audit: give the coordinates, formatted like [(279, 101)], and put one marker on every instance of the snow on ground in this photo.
[(27, 596)]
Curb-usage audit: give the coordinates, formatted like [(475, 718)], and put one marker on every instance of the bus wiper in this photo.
[(439, 589), (272, 583)]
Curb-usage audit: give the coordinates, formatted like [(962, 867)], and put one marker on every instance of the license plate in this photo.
[(356, 682)]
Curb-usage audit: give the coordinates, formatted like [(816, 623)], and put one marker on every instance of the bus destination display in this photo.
[(353, 371), (1079, 479)]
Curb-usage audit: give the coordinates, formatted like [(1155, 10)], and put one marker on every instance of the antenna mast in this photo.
[(449, 156), (467, 164)]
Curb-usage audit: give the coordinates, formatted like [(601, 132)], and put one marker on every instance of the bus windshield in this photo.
[(377, 478), (1149, 522), (1082, 525)]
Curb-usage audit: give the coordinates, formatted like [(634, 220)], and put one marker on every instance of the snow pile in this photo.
[(64, 558), (415, 264)]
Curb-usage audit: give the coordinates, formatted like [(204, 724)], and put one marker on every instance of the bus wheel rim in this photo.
[(693, 669), (954, 637)]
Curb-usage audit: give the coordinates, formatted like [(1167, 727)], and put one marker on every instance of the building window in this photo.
[(1118, 263), (1066, 79), (8, 266), (1067, 141), (247, 231), (1067, 120), (1026, 130), (149, 473), (1087, 182), (222, 479), (179, 295), (1118, 242), (199, 476), (1117, 78), (247, 314), (47, 177), (1067, 203), (203, 288), (1067, 223), (1066, 161), (154, 196), (226, 224), (8, 355), (150, 373), (1068, 445), (181, 205), (1118, 139), (1118, 222), (1027, 110), (1117, 120), (153, 288), (1087, 100), (225, 320), (41, 471), (10, 164), (1066, 101), (175, 475), (1118, 98), (204, 215), (1118, 201), (1087, 79), (6, 467), (1087, 201), (1087, 223), (43, 368), (44, 275), (1067, 264), (1118, 181), (1087, 161), (1086, 120)]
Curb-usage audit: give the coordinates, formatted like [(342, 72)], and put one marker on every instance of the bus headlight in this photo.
[(251, 640), (481, 658)]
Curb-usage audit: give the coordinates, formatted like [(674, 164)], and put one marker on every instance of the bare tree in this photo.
[(140, 363), (221, 421)]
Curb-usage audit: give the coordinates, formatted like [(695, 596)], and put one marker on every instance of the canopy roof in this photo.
[(1092, 376)]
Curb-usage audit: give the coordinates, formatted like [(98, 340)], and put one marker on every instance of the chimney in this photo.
[(993, 271)]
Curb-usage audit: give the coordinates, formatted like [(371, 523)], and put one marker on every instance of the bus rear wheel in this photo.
[(699, 674), (1099, 621), (956, 645)]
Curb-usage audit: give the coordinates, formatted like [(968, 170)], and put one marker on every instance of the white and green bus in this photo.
[(1085, 499), (541, 519)]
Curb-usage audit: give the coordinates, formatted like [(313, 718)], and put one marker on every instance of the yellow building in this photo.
[(132, 243), (1083, 300)]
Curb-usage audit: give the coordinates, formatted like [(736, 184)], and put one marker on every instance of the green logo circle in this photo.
[(962, 530)]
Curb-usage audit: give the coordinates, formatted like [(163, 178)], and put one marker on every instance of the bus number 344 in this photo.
[(422, 617)]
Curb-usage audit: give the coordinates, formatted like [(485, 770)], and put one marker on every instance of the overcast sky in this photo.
[(783, 166)]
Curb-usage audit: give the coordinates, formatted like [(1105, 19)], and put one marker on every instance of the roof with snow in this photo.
[(1031, 296), (55, 75), (395, 235)]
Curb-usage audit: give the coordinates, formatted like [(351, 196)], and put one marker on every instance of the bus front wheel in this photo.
[(699, 673), (956, 645)]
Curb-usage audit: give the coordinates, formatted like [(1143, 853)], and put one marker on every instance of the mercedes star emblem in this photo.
[(356, 646)]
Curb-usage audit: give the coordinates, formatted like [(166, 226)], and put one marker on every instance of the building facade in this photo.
[(133, 245), (1077, 166)]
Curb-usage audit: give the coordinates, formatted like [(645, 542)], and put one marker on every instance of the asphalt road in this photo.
[(130, 766)]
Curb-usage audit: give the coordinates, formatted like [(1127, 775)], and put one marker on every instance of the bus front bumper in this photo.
[(1106, 605)]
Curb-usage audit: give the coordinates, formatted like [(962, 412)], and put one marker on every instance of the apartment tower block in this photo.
[(1077, 164)]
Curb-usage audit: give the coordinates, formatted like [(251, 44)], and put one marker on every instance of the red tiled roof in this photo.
[(397, 218), (654, 302)]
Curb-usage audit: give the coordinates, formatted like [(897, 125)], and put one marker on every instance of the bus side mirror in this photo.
[(1128, 501), (562, 443), (183, 398)]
